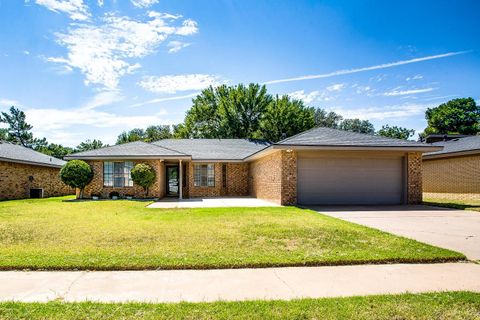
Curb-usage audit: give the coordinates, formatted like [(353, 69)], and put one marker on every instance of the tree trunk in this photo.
[(81, 194)]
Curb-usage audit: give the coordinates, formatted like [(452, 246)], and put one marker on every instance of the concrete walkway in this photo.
[(237, 284), (457, 230), (223, 202)]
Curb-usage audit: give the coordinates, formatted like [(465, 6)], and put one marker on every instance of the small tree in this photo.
[(76, 174), (396, 132), (144, 176)]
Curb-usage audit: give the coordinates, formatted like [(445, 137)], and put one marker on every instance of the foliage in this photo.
[(456, 116), (144, 176), (18, 128), (327, 119), (55, 150), (284, 118), (76, 174), (396, 132), (152, 133), (3, 134), (357, 125), (103, 235), (88, 145)]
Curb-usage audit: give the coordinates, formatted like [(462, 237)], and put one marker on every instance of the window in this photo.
[(204, 175), (117, 174)]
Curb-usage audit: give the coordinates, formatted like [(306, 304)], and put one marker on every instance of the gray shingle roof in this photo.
[(215, 149), (457, 145), (131, 149), (15, 153), (328, 137)]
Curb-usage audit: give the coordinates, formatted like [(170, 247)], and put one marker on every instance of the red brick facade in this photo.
[(17, 179)]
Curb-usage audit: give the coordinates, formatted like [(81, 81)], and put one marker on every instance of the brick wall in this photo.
[(15, 183), (414, 177), (237, 179), (452, 175), (289, 178), (96, 186)]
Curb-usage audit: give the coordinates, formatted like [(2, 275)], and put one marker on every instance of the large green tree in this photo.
[(55, 150), (357, 125), (3, 134), (284, 118), (88, 145), (396, 132), (455, 116), (18, 131), (152, 133), (327, 119)]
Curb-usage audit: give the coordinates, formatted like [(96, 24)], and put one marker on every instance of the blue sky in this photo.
[(85, 69)]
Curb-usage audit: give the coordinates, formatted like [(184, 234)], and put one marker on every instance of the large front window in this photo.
[(117, 174), (204, 175)]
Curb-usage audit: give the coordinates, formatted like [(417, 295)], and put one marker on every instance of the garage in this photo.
[(333, 177)]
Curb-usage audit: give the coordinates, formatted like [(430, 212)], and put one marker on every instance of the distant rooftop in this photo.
[(458, 145), (431, 138), (15, 153)]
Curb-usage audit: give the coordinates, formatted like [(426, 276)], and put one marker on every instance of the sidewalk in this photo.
[(237, 284)]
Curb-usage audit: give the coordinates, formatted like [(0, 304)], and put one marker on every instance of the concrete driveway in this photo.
[(457, 230)]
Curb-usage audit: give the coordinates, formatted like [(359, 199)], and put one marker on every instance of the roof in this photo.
[(327, 137), (131, 150), (469, 144), (215, 149), (15, 153)]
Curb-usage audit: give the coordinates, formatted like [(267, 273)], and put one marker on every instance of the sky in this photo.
[(90, 69)]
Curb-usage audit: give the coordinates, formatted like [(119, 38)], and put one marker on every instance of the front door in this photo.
[(172, 180)]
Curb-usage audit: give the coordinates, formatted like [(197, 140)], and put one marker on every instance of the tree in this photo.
[(357, 125), (396, 132), (327, 119), (155, 133), (18, 128), (88, 145), (3, 134), (284, 118), (55, 150), (136, 134), (76, 174), (143, 175), (456, 116)]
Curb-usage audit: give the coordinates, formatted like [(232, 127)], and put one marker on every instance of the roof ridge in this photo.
[(170, 149), (296, 135)]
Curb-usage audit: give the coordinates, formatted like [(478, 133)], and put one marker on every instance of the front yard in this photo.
[(124, 235), (462, 201), (450, 305)]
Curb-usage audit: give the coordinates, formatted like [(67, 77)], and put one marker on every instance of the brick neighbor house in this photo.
[(25, 173), (455, 170), (319, 166)]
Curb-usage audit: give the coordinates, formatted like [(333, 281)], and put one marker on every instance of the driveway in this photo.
[(457, 230)]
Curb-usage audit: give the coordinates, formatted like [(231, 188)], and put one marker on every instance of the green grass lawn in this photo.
[(472, 205), (124, 235), (451, 305)]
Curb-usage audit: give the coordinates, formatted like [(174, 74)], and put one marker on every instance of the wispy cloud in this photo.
[(104, 52), (75, 9), (336, 87), (159, 100), (103, 98), (9, 102), (385, 112), (415, 77), (184, 82), (396, 92), (305, 97), (370, 68), (176, 46), (144, 3)]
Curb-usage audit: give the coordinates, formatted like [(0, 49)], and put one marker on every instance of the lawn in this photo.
[(471, 204), (124, 235), (450, 305)]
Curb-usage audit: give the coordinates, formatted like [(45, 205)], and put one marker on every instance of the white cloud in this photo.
[(415, 77), (144, 3), (364, 90), (336, 87), (306, 97), (176, 46), (159, 100), (26, 52), (104, 53), (188, 28), (75, 9), (396, 92), (9, 103), (100, 3), (384, 112), (173, 84), (103, 98), (370, 68)]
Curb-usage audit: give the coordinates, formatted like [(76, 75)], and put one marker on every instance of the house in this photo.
[(25, 173), (455, 169), (319, 166)]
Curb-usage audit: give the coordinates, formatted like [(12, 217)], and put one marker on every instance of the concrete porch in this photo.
[(220, 202)]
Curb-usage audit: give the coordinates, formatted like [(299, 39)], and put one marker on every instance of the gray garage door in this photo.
[(352, 179)]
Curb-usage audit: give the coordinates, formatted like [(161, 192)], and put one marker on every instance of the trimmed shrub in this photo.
[(144, 176), (76, 174)]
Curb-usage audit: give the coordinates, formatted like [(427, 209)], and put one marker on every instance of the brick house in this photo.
[(455, 170), (319, 166), (25, 173)]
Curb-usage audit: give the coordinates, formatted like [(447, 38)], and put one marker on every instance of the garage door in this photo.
[(349, 178)]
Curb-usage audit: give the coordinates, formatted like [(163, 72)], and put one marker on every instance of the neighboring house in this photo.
[(25, 173), (455, 169), (319, 166)]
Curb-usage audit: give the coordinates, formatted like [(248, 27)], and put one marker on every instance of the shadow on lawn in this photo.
[(453, 205)]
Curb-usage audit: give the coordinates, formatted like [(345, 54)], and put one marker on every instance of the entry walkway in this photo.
[(222, 202), (238, 284)]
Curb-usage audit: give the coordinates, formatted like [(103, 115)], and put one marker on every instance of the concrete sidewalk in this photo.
[(238, 284)]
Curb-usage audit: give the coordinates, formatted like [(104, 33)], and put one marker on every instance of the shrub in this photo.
[(144, 176), (76, 174)]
